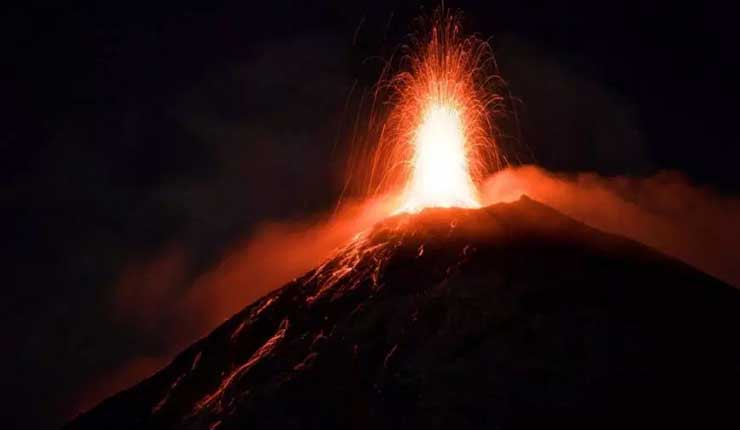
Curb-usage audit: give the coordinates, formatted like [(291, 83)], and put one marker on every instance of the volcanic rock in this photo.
[(510, 316)]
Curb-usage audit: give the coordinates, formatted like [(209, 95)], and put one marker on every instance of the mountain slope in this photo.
[(512, 316)]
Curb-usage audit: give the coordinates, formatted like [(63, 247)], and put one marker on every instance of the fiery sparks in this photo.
[(437, 142)]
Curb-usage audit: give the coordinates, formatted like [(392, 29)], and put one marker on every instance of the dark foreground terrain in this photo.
[(512, 316)]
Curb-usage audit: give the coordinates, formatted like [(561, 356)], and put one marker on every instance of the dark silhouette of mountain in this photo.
[(511, 316)]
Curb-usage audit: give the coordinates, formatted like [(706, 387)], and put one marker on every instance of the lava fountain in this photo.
[(435, 146), (441, 172), (438, 139)]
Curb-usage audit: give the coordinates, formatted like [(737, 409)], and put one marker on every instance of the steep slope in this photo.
[(512, 316)]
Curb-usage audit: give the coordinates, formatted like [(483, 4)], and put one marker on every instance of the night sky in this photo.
[(130, 129)]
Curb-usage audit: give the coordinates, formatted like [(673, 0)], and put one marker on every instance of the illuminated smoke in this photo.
[(665, 211)]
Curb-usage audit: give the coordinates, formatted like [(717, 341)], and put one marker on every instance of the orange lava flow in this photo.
[(439, 134)]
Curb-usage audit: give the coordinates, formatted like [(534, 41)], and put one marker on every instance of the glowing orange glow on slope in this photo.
[(437, 142)]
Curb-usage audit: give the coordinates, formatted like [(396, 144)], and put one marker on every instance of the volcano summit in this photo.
[(510, 316)]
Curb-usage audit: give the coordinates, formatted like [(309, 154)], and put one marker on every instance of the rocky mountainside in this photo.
[(511, 316)]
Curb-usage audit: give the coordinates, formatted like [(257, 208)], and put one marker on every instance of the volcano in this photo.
[(509, 316)]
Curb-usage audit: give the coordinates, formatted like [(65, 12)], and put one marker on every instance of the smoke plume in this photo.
[(665, 211)]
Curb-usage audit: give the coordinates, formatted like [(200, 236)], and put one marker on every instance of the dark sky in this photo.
[(131, 128)]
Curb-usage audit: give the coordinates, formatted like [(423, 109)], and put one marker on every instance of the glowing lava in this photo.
[(440, 169)]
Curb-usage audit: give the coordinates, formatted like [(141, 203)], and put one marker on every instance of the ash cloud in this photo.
[(665, 211)]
